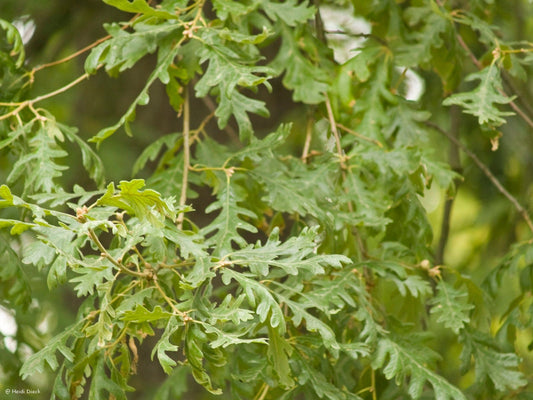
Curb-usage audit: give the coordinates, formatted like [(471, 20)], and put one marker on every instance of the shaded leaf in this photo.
[(229, 220), (47, 355), (163, 345), (408, 358), (451, 306), (490, 362)]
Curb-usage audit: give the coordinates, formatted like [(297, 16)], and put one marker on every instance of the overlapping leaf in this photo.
[(294, 256), (410, 358), (483, 102), (14, 283), (434, 26), (294, 187), (229, 221), (289, 12), (451, 306), (165, 57), (144, 204), (47, 355), (491, 364), (38, 168), (304, 78), (229, 67), (141, 7), (164, 345), (258, 296), (12, 36)]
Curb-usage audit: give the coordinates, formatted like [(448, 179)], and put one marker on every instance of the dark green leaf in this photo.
[(229, 220), (47, 355), (491, 363), (407, 358), (451, 306)]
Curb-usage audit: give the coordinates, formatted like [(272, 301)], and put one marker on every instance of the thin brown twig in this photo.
[(524, 101), (358, 35), (186, 155), (333, 126), (308, 137), (60, 90), (232, 133), (83, 50), (521, 210), (344, 168), (473, 58), (73, 55), (519, 111), (479, 65), (169, 301), (201, 128), (30, 103), (20, 107), (358, 135), (337, 137), (116, 263)]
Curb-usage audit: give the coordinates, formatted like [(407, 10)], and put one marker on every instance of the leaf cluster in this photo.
[(308, 269)]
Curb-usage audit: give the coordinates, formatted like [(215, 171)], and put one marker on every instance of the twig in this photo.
[(358, 135), (479, 65), (209, 103), (60, 90), (521, 95), (335, 132), (73, 55), (308, 137), (473, 58), (518, 110), (26, 103), (201, 128), (105, 253), (373, 383), (20, 107), (83, 50), (182, 314), (358, 35), (344, 168), (521, 210), (264, 390), (186, 155), (29, 103)]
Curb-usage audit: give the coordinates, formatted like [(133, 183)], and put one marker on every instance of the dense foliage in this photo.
[(308, 254)]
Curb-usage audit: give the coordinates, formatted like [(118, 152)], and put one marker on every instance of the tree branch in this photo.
[(186, 155), (308, 137), (29, 103), (119, 265), (521, 210), (479, 65)]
